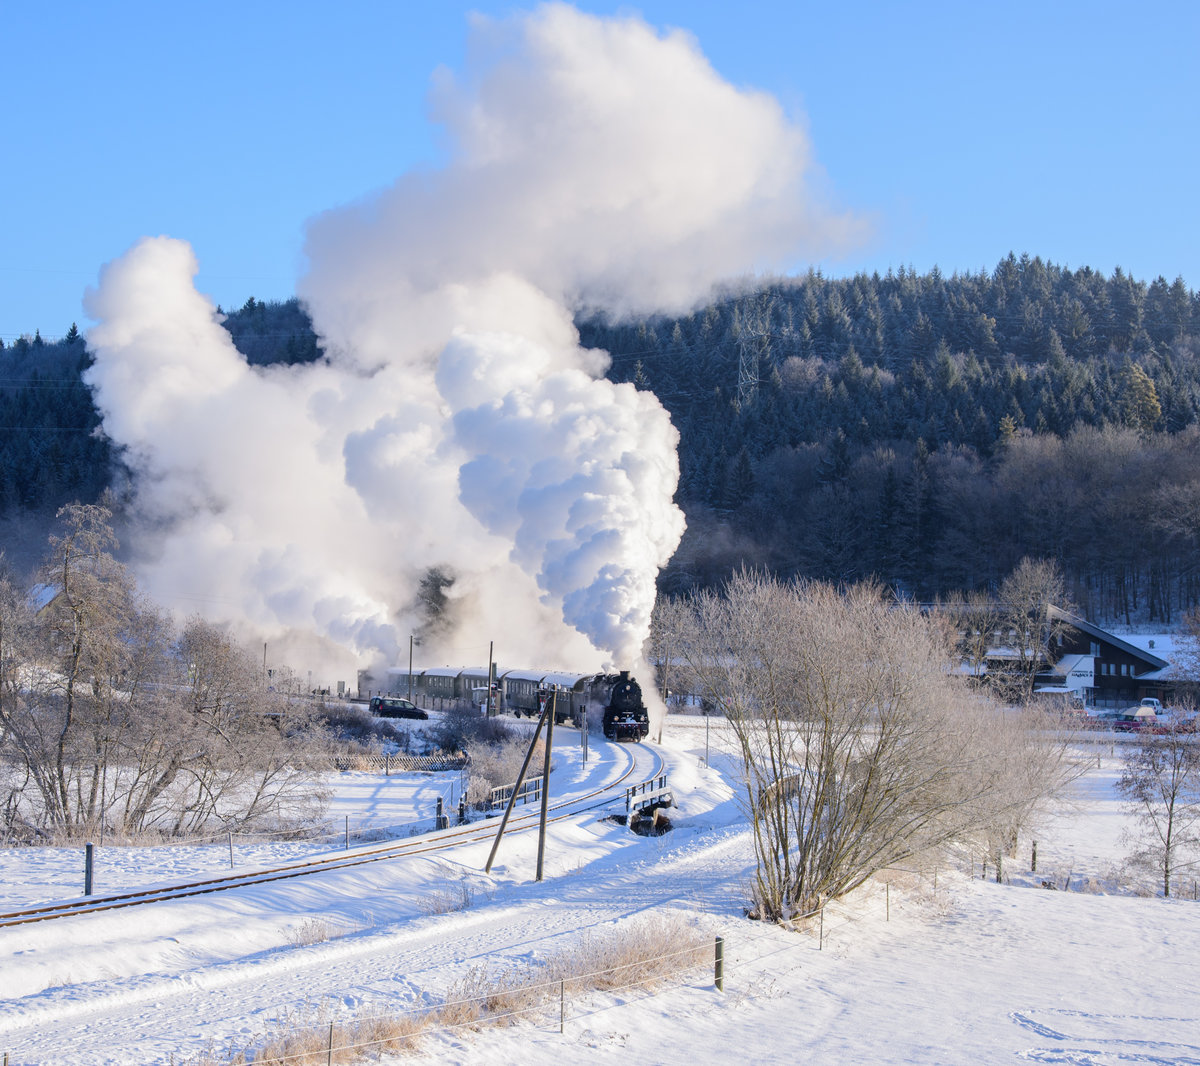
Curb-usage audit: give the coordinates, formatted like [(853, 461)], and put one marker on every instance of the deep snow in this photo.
[(967, 972)]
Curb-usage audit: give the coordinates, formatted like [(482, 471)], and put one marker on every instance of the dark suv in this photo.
[(394, 707)]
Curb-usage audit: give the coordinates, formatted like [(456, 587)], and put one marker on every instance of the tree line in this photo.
[(921, 430)]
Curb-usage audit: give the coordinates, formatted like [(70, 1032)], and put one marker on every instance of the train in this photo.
[(616, 697)]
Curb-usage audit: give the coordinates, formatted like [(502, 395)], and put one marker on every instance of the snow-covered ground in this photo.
[(965, 972)]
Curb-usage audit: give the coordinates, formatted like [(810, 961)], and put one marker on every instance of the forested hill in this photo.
[(931, 431), (923, 430)]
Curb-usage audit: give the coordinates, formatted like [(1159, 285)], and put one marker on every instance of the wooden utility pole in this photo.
[(410, 644), (516, 789), (551, 704)]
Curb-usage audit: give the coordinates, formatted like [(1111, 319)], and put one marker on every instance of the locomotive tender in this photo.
[(616, 697)]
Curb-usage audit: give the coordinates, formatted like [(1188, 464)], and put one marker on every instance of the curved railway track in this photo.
[(438, 841)]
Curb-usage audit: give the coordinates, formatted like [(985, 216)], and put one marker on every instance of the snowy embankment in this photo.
[(968, 972)]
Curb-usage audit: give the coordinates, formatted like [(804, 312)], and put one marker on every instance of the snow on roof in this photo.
[(1084, 626), (42, 595)]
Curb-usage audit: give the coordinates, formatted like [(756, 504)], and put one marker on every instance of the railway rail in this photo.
[(441, 840)]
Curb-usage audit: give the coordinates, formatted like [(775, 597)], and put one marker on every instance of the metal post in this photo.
[(410, 644), (491, 669), (719, 965), (87, 868), (553, 705)]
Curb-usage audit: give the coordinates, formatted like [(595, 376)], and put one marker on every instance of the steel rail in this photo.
[(441, 840)]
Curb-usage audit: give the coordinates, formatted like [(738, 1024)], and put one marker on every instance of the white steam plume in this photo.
[(456, 423)]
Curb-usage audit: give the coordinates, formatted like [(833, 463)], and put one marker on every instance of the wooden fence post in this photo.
[(719, 965)]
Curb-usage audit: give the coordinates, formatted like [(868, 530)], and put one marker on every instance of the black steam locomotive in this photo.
[(625, 716)]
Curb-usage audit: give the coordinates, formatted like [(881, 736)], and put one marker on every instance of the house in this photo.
[(1102, 670)]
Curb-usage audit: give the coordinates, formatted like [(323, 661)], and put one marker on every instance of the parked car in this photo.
[(1103, 720), (1136, 720), (395, 707)]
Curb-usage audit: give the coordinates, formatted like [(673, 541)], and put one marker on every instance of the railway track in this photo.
[(440, 840)]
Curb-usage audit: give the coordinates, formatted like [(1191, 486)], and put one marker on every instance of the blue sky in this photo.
[(961, 131)]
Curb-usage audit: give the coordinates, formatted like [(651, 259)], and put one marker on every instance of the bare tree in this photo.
[(859, 748), (117, 721), (977, 619), (1028, 628), (1161, 782)]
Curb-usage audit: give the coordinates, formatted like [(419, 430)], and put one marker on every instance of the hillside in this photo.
[(925, 431)]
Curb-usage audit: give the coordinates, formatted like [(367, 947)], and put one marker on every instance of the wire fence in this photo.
[(502, 1004), (565, 994)]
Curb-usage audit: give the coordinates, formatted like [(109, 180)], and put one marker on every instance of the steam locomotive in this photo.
[(625, 717), (617, 697)]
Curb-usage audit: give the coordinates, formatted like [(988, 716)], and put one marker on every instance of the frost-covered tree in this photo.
[(112, 720), (859, 748), (1161, 782)]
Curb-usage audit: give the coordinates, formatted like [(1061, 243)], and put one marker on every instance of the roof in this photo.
[(1152, 661)]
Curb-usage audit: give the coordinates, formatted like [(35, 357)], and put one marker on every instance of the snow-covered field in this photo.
[(965, 972)]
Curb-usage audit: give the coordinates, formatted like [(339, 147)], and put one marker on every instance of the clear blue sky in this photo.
[(963, 130)]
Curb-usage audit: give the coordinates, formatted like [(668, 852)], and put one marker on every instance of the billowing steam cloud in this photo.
[(457, 443)]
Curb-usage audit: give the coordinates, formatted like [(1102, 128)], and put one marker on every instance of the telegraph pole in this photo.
[(553, 706)]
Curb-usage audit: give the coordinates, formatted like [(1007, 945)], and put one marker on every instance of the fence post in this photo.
[(719, 965), (1033, 860), (87, 868), (231, 849), (347, 832), (329, 1060), (821, 933), (887, 898), (562, 1005)]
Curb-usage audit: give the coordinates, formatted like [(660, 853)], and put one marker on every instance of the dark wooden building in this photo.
[(1099, 668)]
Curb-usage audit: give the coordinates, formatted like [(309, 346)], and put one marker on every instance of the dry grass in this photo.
[(450, 898), (634, 955)]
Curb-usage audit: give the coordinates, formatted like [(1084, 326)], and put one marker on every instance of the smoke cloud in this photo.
[(457, 466)]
